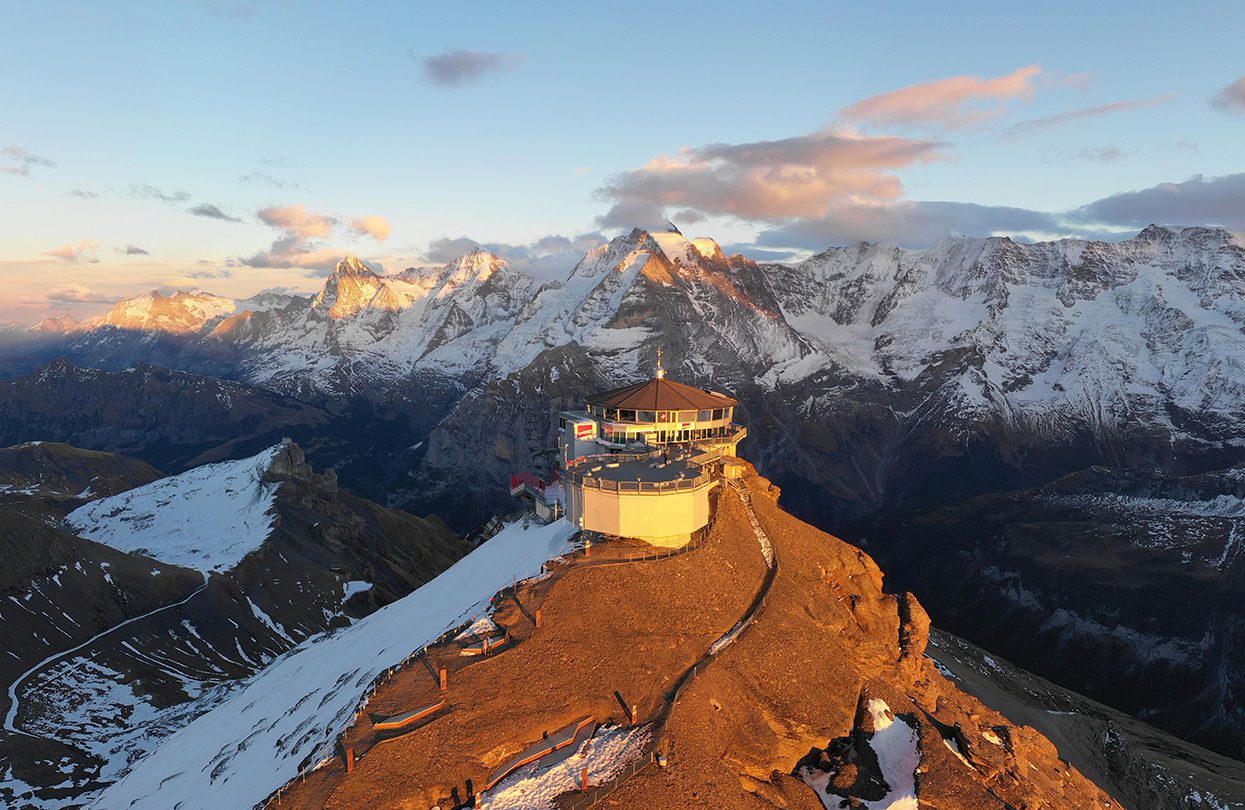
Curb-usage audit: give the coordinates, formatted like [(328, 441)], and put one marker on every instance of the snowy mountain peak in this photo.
[(352, 266), (351, 288), (178, 313), (208, 518), (63, 324), (478, 265)]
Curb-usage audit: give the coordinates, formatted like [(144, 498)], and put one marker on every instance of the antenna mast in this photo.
[(661, 372)]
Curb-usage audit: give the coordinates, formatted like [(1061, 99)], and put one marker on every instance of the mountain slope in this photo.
[(1099, 573), (753, 719), (314, 559), (287, 717)]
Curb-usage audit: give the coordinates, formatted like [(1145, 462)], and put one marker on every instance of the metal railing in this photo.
[(586, 480), (596, 794)]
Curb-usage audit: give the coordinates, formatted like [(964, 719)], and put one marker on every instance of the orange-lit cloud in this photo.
[(376, 227), (952, 103), (297, 219), (765, 180), (84, 252)]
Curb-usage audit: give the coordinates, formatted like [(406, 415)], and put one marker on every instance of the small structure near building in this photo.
[(639, 461)]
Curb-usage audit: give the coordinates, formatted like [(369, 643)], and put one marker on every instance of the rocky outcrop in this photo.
[(825, 699)]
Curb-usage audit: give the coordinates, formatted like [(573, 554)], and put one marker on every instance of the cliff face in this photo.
[(800, 686)]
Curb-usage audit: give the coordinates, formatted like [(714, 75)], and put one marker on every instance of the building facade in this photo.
[(639, 461)]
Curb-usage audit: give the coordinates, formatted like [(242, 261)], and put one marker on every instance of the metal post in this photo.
[(350, 760), (583, 779), (538, 617), (444, 679)]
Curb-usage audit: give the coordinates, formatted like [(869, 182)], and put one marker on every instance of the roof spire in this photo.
[(661, 372)]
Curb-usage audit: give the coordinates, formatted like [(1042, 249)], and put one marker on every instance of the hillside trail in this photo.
[(10, 719)]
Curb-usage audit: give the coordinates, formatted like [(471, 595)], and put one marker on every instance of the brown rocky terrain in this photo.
[(795, 696)]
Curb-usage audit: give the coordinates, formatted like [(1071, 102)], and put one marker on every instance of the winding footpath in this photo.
[(727, 639), (10, 720)]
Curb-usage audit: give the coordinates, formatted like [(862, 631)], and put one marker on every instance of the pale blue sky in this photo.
[(138, 101)]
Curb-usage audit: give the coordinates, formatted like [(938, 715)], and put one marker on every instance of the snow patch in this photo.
[(207, 518), (535, 788)]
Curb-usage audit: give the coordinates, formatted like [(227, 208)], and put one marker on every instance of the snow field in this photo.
[(207, 518), (289, 716)]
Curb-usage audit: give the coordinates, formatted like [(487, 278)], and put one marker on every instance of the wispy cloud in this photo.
[(771, 181), (148, 192), (82, 253), (265, 179), (454, 68), (1230, 98), (211, 212), (952, 103), (376, 227), (18, 160), (1106, 153), (1101, 154), (1059, 119), (73, 293), (81, 193), (131, 250)]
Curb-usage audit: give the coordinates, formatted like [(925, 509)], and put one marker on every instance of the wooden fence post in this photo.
[(583, 779), (538, 617), (444, 679), (350, 760)]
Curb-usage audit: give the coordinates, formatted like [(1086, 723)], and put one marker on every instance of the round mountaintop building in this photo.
[(639, 461)]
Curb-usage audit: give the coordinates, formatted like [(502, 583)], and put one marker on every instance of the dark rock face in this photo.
[(1140, 766), (50, 479), (170, 418), (1128, 584)]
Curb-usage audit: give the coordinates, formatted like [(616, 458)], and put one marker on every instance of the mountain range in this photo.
[(883, 389)]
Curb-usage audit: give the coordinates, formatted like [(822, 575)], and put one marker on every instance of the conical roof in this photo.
[(661, 395)]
